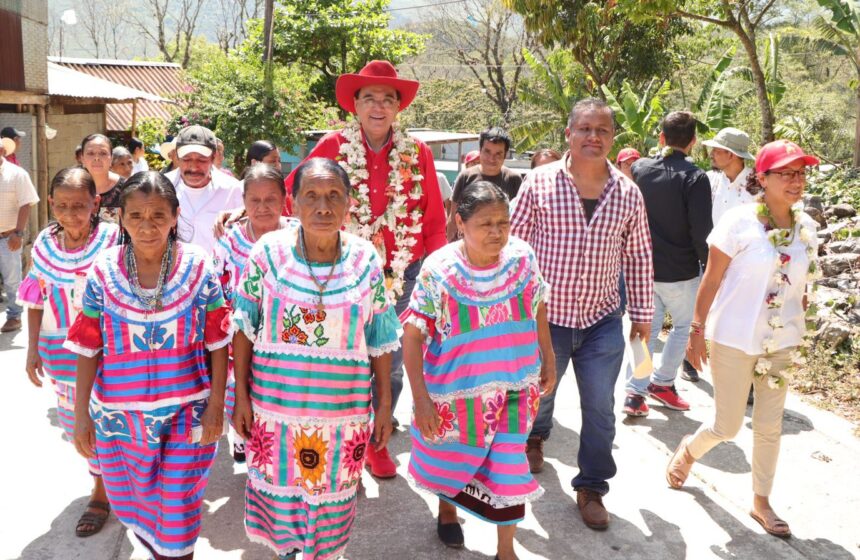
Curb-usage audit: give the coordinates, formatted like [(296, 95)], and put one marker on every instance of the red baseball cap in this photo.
[(779, 154), (471, 156), (627, 154)]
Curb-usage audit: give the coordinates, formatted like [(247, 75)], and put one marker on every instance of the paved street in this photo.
[(45, 487)]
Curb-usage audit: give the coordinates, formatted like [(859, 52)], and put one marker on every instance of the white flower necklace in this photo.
[(403, 159), (781, 239)]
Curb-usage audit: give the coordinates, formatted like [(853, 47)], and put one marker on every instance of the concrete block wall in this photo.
[(34, 32), (71, 129)]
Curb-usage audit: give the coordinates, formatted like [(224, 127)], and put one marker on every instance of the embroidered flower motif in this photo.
[(446, 419), (307, 315), (534, 399), (311, 455), (497, 313), (261, 445), (353, 451), (493, 415), (295, 335)]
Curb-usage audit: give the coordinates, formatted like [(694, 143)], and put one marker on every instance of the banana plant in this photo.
[(715, 106), (638, 116), (555, 85)]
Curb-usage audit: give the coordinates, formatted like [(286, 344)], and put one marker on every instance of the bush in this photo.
[(838, 186), (832, 378)]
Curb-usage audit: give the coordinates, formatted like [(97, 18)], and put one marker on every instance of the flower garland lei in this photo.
[(781, 239), (403, 159)]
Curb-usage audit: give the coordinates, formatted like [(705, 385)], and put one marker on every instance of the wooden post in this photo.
[(459, 156), (134, 118), (42, 165)]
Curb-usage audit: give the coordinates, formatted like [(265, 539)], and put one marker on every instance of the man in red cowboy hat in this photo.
[(393, 180)]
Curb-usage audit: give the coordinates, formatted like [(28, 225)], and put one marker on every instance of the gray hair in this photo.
[(589, 104), (119, 152)]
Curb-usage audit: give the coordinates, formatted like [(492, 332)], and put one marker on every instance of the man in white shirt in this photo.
[(138, 156), (203, 191), (729, 149), (17, 194)]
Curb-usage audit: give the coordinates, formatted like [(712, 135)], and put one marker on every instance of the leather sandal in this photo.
[(679, 468), (451, 534), (90, 518), (778, 529)]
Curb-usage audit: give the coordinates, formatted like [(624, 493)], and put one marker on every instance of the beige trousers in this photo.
[(733, 371)]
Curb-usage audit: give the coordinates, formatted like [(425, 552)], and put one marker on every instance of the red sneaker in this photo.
[(668, 396), (380, 463), (635, 405)]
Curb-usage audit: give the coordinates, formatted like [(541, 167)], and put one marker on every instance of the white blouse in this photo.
[(739, 315), (726, 194)]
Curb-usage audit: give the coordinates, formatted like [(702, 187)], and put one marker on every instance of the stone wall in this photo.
[(34, 33)]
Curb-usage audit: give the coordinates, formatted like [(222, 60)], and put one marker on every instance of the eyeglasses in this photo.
[(385, 103), (789, 175)]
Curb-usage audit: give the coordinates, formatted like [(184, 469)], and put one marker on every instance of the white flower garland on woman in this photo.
[(403, 159), (780, 239)]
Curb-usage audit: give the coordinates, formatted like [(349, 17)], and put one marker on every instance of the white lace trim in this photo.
[(269, 544), (220, 344), (310, 351), (147, 406), (299, 492), (421, 324), (498, 501), (530, 379), (269, 416), (375, 352), (150, 539), (82, 350), (241, 321)]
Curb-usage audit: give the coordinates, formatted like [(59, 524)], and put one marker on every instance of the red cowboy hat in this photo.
[(375, 73)]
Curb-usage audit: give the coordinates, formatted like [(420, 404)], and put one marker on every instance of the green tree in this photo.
[(230, 96), (333, 37), (610, 45), (449, 104), (841, 32), (546, 97), (638, 116)]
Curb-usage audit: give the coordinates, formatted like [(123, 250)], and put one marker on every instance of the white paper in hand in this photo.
[(642, 366)]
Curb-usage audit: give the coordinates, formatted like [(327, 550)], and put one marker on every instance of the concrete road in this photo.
[(44, 487)]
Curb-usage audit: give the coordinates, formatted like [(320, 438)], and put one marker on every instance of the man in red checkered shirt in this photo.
[(587, 223)]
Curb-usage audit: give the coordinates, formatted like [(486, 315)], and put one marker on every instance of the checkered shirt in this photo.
[(580, 260)]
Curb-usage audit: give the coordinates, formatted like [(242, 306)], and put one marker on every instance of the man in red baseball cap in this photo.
[(624, 161), (393, 179)]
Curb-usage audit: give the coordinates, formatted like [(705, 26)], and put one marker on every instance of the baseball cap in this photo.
[(732, 139), (11, 132), (471, 156), (779, 154), (195, 139), (627, 154)]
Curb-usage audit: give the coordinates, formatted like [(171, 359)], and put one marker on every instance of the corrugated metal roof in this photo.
[(66, 82), (161, 79)]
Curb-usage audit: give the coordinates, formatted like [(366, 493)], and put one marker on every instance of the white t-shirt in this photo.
[(16, 190), (727, 194), (739, 315), (198, 208), (444, 186), (139, 165)]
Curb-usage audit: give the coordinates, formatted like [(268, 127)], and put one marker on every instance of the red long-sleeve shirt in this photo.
[(432, 235)]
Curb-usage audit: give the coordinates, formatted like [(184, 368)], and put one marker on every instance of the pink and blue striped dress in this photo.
[(482, 369), (310, 389), (151, 388), (50, 286)]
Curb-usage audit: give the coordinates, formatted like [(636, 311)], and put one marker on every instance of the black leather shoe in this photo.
[(689, 373), (451, 534)]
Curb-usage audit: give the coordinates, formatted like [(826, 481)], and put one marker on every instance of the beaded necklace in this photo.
[(321, 286), (152, 301)]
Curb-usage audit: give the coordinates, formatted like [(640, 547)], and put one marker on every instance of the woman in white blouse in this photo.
[(752, 295)]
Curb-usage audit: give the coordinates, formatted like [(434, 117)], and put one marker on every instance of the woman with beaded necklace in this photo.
[(753, 296), (264, 195), (479, 357), (97, 157), (152, 368), (53, 294), (312, 323)]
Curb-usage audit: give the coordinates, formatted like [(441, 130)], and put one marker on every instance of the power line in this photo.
[(426, 5)]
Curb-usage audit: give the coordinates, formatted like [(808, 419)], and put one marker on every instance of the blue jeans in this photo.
[(409, 276), (597, 352), (679, 299), (10, 268)]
